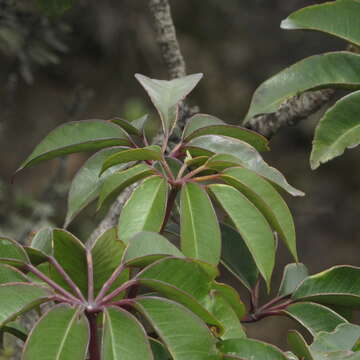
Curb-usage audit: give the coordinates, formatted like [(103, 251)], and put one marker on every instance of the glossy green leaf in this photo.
[(299, 346), (152, 152), (55, 7), (146, 247), (76, 136), (17, 298), (237, 258), (220, 162), (199, 121), (293, 275), (9, 274), (267, 200), (145, 209), (200, 231), (71, 255), (107, 252), (43, 241), (259, 142), (336, 69), (87, 182), (166, 95), (328, 17), (61, 334), (338, 129), (123, 337), (15, 329), (249, 349), (184, 334), (115, 183), (339, 285), (314, 317), (12, 253), (252, 226), (248, 156)]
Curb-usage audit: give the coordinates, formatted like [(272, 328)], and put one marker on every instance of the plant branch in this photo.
[(90, 268), (117, 291), (94, 350)]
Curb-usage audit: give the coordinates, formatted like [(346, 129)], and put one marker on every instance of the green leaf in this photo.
[(129, 126), (62, 334), (147, 247), (336, 69), (115, 183), (55, 7), (9, 274), (267, 200), (123, 337), (338, 129), (152, 152), (200, 231), (159, 350), (87, 182), (299, 346), (107, 252), (43, 241), (251, 225), (237, 258), (17, 298), (199, 121), (293, 275), (76, 136), (339, 285), (166, 95), (314, 317), (36, 257), (12, 253), (184, 334), (328, 17), (259, 142), (248, 349), (16, 330), (145, 209), (71, 255), (248, 156)]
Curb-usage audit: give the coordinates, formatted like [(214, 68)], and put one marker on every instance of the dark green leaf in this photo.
[(299, 346), (36, 257), (115, 183), (9, 274), (55, 7), (248, 156), (159, 350), (43, 241), (337, 69), (330, 18), (200, 231), (338, 129), (166, 95), (128, 126), (145, 209), (199, 121), (12, 253), (62, 334), (16, 330), (87, 182), (252, 226), (123, 337), (267, 200), (17, 298), (146, 247), (77, 136), (293, 275), (184, 334)]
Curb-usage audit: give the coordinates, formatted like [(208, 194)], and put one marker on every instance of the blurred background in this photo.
[(82, 65)]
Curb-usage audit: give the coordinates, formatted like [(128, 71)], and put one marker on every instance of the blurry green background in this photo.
[(82, 66)]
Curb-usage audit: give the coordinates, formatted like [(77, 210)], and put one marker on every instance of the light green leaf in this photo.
[(336, 69), (339, 285), (237, 258), (248, 156), (123, 337), (145, 209), (328, 17), (184, 334), (293, 275), (61, 334), (152, 152), (299, 346), (43, 241), (107, 252), (314, 317), (199, 121), (200, 231), (9, 274), (115, 183), (147, 247), (249, 349), (12, 253), (252, 226), (17, 298), (87, 182), (338, 129), (267, 200), (166, 95), (77, 136)]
